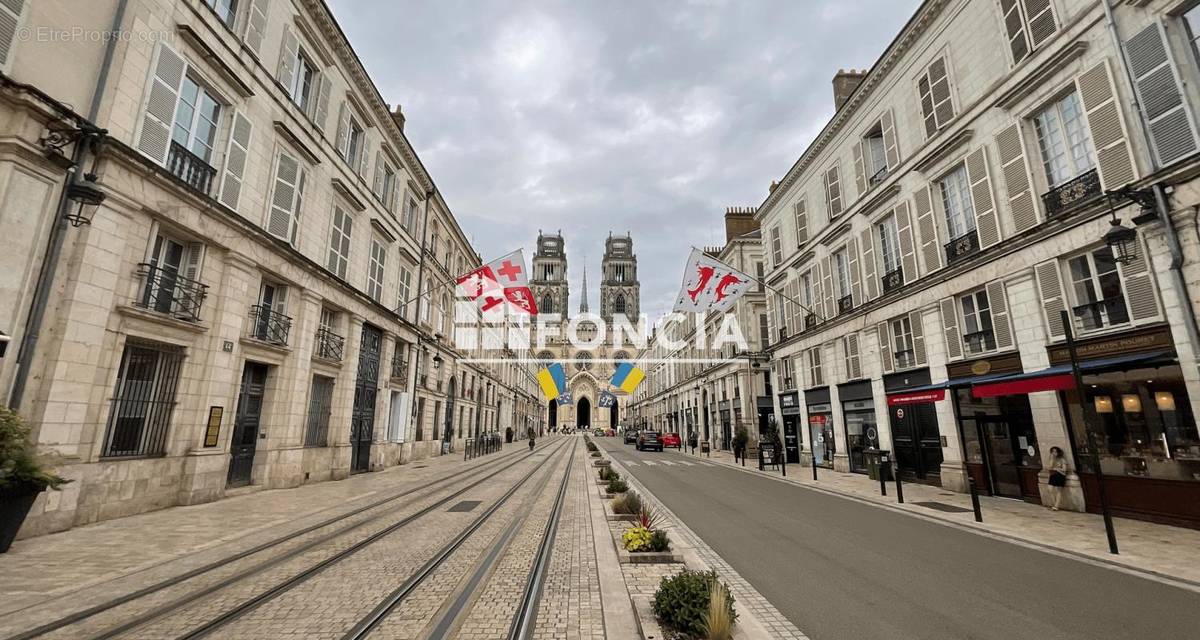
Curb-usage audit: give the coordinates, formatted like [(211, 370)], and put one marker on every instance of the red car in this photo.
[(671, 440)]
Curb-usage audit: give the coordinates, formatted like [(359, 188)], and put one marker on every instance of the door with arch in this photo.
[(552, 409), (583, 413)]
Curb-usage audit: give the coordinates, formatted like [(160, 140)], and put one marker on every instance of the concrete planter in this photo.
[(648, 557), (617, 517), (647, 624), (601, 463)]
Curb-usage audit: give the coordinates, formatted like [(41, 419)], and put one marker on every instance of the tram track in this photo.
[(387, 506)]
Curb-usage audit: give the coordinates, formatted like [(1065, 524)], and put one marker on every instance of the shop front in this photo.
[(766, 409), (820, 427), (723, 408), (858, 413), (916, 439), (789, 406)]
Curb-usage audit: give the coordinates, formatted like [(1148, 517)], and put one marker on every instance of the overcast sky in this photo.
[(593, 116)]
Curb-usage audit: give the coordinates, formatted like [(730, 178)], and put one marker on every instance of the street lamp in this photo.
[(89, 198), (1122, 241)]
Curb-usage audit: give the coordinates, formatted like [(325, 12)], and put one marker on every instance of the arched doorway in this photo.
[(552, 408), (448, 425), (612, 415), (583, 413)]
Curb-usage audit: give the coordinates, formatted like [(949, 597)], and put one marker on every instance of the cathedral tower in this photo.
[(620, 292), (549, 281)]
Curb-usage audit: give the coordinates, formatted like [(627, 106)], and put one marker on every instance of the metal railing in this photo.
[(845, 304), (879, 176), (144, 400), (810, 321), (904, 359), (269, 326), (330, 345), (165, 291), (979, 341), (893, 279), (962, 246), (190, 168), (399, 365), (1100, 314), (1066, 196)]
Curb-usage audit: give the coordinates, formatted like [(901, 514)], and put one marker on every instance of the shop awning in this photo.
[(936, 392), (1059, 377)]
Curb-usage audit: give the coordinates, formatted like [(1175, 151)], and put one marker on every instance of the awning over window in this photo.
[(936, 392), (1059, 377)]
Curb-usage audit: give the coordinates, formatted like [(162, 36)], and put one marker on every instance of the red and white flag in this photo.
[(710, 285), (500, 286)]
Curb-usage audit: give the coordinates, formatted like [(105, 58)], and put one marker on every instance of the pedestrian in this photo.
[(531, 438), (1058, 477)]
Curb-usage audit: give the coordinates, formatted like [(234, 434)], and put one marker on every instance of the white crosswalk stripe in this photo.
[(685, 463), (668, 463), (649, 463)]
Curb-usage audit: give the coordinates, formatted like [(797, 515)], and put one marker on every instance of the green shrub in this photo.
[(21, 467), (627, 503), (660, 541), (595, 454), (617, 486), (591, 447), (682, 602), (608, 475)]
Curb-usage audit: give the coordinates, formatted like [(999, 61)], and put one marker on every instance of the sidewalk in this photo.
[(1146, 548)]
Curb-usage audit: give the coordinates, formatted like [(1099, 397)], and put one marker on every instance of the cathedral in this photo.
[(588, 371)]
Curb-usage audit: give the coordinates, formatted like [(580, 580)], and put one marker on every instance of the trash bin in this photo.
[(873, 466)]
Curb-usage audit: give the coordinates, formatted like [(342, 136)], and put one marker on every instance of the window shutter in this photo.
[(939, 87), (797, 314), (1108, 133), (363, 154), (1014, 25), (10, 19), (159, 111), (868, 261), (885, 347), (235, 160), (891, 147), (950, 328), (1040, 17), (287, 57), (1016, 178), (998, 299), (281, 299), (1053, 299), (1139, 289), (283, 200), (320, 111), (918, 333), (256, 26), (1156, 78), (931, 249), (195, 261), (860, 168), (981, 196), (377, 185), (927, 113), (908, 250), (853, 360), (833, 192), (856, 297), (801, 222), (343, 130), (827, 288)]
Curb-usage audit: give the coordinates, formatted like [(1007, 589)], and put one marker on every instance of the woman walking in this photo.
[(1058, 477)]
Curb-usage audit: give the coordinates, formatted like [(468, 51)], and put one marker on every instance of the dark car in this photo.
[(630, 436), (649, 440)]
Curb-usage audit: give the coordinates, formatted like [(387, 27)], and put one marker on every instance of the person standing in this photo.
[(1058, 477)]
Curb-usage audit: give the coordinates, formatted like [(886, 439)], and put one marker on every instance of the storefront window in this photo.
[(1144, 424), (1000, 444), (820, 427), (861, 432)]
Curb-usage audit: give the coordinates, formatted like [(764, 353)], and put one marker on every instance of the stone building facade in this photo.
[(620, 289), (263, 296)]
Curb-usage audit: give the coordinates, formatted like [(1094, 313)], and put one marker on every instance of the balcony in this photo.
[(905, 359), (1100, 314), (893, 279), (190, 168), (811, 321), (1065, 196), (167, 292), (330, 346), (400, 365), (269, 326), (962, 246), (783, 334), (979, 341), (845, 304), (879, 176)]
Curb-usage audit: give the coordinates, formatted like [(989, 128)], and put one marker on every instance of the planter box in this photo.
[(601, 463), (617, 517), (648, 557), (644, 612)]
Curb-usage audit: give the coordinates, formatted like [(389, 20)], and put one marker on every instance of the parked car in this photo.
[(598, 432), (671, 440), (649, 440), (611, 433), (631, 436)]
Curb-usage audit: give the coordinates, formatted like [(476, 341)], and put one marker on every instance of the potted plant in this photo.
[(23, 475)]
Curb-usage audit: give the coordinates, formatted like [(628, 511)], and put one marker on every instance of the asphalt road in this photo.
[(838, 568)]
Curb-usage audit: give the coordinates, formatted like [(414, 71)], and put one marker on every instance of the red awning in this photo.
[(1058, 382), (917, 397)]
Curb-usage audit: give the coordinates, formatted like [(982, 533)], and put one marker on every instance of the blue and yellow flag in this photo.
[(627, 377), (553, 380)]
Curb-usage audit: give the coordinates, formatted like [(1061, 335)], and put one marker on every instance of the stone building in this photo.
[(931, 237), (620, 291), (225, 267)]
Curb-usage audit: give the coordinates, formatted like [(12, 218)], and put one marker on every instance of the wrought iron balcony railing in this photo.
[(399, 365), (962, 246), (979, 341), (879, 176), (1100, 314), (269, 326), (904, 359), (845, 304), (811, 321), (165, 291), (1068, 194), (330, 345), (893, 279), (190, 168)]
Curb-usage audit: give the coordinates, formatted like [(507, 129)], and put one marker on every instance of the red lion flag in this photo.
[(710, 285), (502, 285)]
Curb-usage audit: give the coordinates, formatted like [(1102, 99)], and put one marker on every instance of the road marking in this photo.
[(668, 463), (685, 463), (649, 463)]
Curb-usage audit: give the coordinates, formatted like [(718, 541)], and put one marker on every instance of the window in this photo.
[(1096, 290), (226, 10), (287, 198), (619, 305), (375, 270), (806, 294), (956, 202), (354, 143), (875, 152), (785, 373), (143, 399), (1064, 140), (172, 278), (902, 342), (937, 109), (387, 186), (547, 305), (978, 335), (196, 116), (815, 373), (425, 301), (303, 81), (405, 291), (841, 268), (1191, 21), (339, 242), (888, 231), (1028, 24), (760, 273), (269, 320), (764, 333), (833, 192), (410, 215), (776, 248), (320, 406)]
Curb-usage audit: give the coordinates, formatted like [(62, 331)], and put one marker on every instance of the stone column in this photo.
[(953, 471)]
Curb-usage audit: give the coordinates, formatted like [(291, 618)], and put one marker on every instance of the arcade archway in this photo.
[(583, 411)]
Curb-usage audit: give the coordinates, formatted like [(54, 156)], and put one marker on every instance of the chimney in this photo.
[(739, 221), (398, 118), (844, 84)]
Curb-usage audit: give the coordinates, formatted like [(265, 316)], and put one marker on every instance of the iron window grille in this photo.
[(399, 365), (190, 168), (879, 176), (979, 341), (904, 359), (962, 246), (330, 346), (143, 400), (893, 279), (269, 326), (1064, 197), (166, 291), (320, 406)]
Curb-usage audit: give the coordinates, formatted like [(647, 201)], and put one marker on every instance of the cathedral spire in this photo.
[(583, 303)]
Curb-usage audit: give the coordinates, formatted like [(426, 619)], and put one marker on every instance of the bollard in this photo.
[(783, 462), (813, 460), (975, 500), (882, 476), (899, 486)]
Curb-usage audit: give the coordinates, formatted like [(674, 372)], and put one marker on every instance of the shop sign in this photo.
[(917, 397), (212, 432), (1132, 342), (818, 419), (899, 414), (767, 451)]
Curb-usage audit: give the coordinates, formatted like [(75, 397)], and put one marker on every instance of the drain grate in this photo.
[(942, 506), (464, 506)]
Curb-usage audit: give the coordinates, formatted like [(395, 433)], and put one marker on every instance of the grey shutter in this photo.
[(320, 114), (235, 160), (986, 223), (801, 221), (343, 130), (1053, 299), (856, 297), (853, 360), (1040, 18), (908, 250), (1139, 288), (939, 86), (10, 18), (868, 262), (833, 192), (1016, 178), (827, 288), (860, 170), (918, 333), (891, 146), (363, 154), (1156, 78), (1014, 26), (949, 308), (287, 57), (797, 315), (377, 183), (1001, 326), (885, 347), (1108, 133), (159, 111), (195, 260), (927, 114), (256, 26), (283, 200), (931, 249)]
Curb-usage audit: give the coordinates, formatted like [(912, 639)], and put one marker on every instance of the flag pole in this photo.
[(764, 283)]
